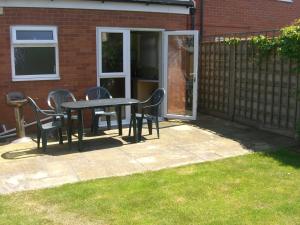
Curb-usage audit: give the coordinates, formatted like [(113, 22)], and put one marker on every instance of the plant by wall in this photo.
[(265, 45), (287, 43)]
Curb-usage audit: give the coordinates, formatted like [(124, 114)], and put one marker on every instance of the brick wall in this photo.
[(77, 38), (77, 47), (225, 16)]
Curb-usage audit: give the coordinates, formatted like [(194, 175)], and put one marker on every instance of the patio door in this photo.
[(180, 74), (113, 63)]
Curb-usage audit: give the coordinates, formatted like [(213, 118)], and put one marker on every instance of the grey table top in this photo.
[(99, 103)]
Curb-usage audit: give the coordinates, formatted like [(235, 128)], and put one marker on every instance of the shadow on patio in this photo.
[(24, 167), (102, 141)]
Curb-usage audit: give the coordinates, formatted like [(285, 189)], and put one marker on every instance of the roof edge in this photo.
[(189, 3)]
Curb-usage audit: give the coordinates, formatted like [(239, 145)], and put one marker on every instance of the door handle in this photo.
[(194, 76)]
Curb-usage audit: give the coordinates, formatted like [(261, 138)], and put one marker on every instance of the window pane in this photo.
[(34, 35), (180, 74), (35, 60), (112, 52), (116, 87)]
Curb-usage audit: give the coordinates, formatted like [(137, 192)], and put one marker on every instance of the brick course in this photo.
[(77, 38), (77, 48), (225, 16)]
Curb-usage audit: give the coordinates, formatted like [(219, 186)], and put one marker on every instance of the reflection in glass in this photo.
[(180, 74), (116, 87), (112, 52), (34, 60), (34, 35)]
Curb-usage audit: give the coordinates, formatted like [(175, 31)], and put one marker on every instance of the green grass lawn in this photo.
[(253, 189)]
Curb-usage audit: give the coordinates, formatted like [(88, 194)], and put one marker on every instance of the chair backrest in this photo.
[(57, 97), (36, 110), (156, 99), (97, 93), (157, 96)]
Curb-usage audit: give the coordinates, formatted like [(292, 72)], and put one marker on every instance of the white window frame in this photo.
[(34, 43), (288, 1), (195, 34), (126, 73)]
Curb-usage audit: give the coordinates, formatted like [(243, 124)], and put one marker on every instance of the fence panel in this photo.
[(237, 84)]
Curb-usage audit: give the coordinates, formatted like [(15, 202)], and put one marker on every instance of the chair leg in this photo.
[(130, 125), (60, 136), (38, 137), (96, 121), (108, 122), (71, 126), (140, 127), (157, 126), (149, 121), (44, 140), (92, 123)]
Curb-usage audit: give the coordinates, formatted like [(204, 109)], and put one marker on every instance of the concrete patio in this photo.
[(24, 167)]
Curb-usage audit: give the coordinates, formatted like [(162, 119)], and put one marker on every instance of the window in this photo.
[(34, 52), (290, 1)]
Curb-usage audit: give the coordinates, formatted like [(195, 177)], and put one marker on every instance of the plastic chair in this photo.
[(44, 129), (99, 93), (149, 111), (59, 96)]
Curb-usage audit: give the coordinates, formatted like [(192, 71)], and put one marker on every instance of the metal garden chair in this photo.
[(99, 93), (149, 111), (44, 129)]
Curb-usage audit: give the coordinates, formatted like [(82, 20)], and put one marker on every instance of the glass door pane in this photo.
[(112, 52), (116, 87), (114, 63), (181, 70)]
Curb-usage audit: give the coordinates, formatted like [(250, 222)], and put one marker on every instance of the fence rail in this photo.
[(237, 84)]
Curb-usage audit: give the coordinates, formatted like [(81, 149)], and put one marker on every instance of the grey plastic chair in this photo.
[(44, 129), (56, 98), (149, 111), (99, 93)]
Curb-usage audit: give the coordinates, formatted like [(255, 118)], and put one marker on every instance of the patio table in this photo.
[(99, 103)]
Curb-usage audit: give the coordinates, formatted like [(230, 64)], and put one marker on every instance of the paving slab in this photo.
[(24, 167)]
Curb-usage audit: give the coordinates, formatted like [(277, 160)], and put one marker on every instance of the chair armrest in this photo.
[(48, 110), (151, 106), (51, 113)]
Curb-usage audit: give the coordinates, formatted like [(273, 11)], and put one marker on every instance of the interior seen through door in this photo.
[(145, 63)]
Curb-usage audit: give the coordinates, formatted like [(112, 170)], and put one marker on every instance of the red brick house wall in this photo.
[(225, 16), (77, 48), (77, 38)]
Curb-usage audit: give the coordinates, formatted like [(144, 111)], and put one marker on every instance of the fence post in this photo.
[(297, 119), (232, 76)]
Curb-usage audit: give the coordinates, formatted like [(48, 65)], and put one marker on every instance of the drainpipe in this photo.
[(192, 13), (201, 21)]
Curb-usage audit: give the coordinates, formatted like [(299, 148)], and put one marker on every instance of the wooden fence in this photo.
[(237, 85)]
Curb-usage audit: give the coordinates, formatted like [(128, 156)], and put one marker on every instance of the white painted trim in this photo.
[(126, 74), (96, 5), (14, 30), (287, 1), (165, 74), (34, 43)]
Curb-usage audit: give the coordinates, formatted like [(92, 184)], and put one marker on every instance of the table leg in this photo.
[(133, 116), (119, 118), (69, 128), (80, 129)]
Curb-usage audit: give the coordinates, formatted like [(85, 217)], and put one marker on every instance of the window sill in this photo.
[(33, 78)]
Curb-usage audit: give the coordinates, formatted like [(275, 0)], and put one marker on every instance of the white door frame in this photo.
[(126, 73), (195, 73)]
